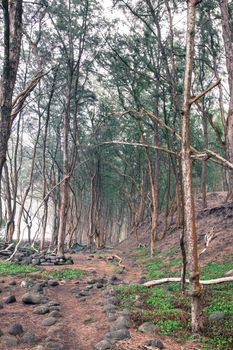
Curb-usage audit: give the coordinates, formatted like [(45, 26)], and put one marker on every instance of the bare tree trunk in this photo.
[(227, 38), (189, 211)]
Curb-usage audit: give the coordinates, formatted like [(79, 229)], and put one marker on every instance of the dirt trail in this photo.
[(83, 323)]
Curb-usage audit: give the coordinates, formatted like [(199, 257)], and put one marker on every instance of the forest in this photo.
[(116, 148)]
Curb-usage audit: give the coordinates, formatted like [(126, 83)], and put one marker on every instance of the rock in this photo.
[(37, 288), (154, 343), (216, 316), (112, 300), (0, 290), (120, 323), (9, 341), (31, 298), (54, 345), (10, 299), (117, 335), (15, 329), (12, 283), (29, 338), (53, 303), (147, 327), (1, 333), (103, 345), (41, 310), (35, 261), (56, 308), (55, 314), (125, 312), (39, 347), (53, 283), (109, 308), (99, 285), (55, 330), (49, 321), (1, 305)]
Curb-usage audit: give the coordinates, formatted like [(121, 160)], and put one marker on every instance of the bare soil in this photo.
[(83, 322)]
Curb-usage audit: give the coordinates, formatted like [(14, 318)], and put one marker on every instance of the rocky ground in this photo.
[(77, 314)]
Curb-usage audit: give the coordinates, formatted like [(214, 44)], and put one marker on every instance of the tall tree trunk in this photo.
[(12, 17), (189, 210), (227, 33)]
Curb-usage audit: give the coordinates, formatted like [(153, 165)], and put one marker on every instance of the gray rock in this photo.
[(99, 285), (1, 305), (9, 341), (39, 347), (1, 333), (112, 300), (29, 338), (154, 343), (53, 303), (125, 312), (15, 329), (12, 283), (55, 330), (117, 335), (55, 314), (53, 283), (103, 345), (120, 323), (217, 316), (41, 310), (49, 321), (147, 327), (56, 308), (32, 298), (10, 299), (54, 345), (36, 261), (37, 288), (109, 308)]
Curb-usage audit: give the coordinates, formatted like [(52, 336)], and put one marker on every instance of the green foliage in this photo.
[(63, 273), (11, 268), (169, 327)]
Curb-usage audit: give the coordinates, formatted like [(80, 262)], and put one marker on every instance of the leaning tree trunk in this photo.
[(189, 211)]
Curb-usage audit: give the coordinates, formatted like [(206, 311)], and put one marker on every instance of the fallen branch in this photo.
[(178, 279)]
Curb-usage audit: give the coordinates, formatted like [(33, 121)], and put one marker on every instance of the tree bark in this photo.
[(189, 210)]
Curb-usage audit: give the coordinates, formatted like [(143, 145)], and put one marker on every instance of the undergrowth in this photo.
[(169, 310), (11, 268)]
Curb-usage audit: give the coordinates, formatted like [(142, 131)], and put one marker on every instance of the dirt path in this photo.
[(83, 322)]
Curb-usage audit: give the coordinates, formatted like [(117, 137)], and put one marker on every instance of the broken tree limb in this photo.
[(178, 279)]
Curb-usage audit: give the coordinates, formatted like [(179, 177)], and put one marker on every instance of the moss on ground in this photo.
[(11, 268)]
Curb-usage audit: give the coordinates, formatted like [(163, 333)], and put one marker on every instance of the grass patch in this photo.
[(11, 268), (63, 273), (170, 310)]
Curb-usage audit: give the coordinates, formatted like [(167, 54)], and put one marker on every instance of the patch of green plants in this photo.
[(170, 251), (216, 269), (63, 273), (158, 268), (169, 327), (163, 305), (11, 268)]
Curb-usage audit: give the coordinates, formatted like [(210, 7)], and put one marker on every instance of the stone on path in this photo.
[(10, 299), (117, 335), (1, 332), (217, 316), (103, 345), (120, 323), (12, 283), (147, 327), (29, 338), (55, 314), (15, 329), (39, 347), (53, 283), (32, 299), (54, 345), (9, 341), (154, 343), (55, 330), (41, 310), (49, 321)]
